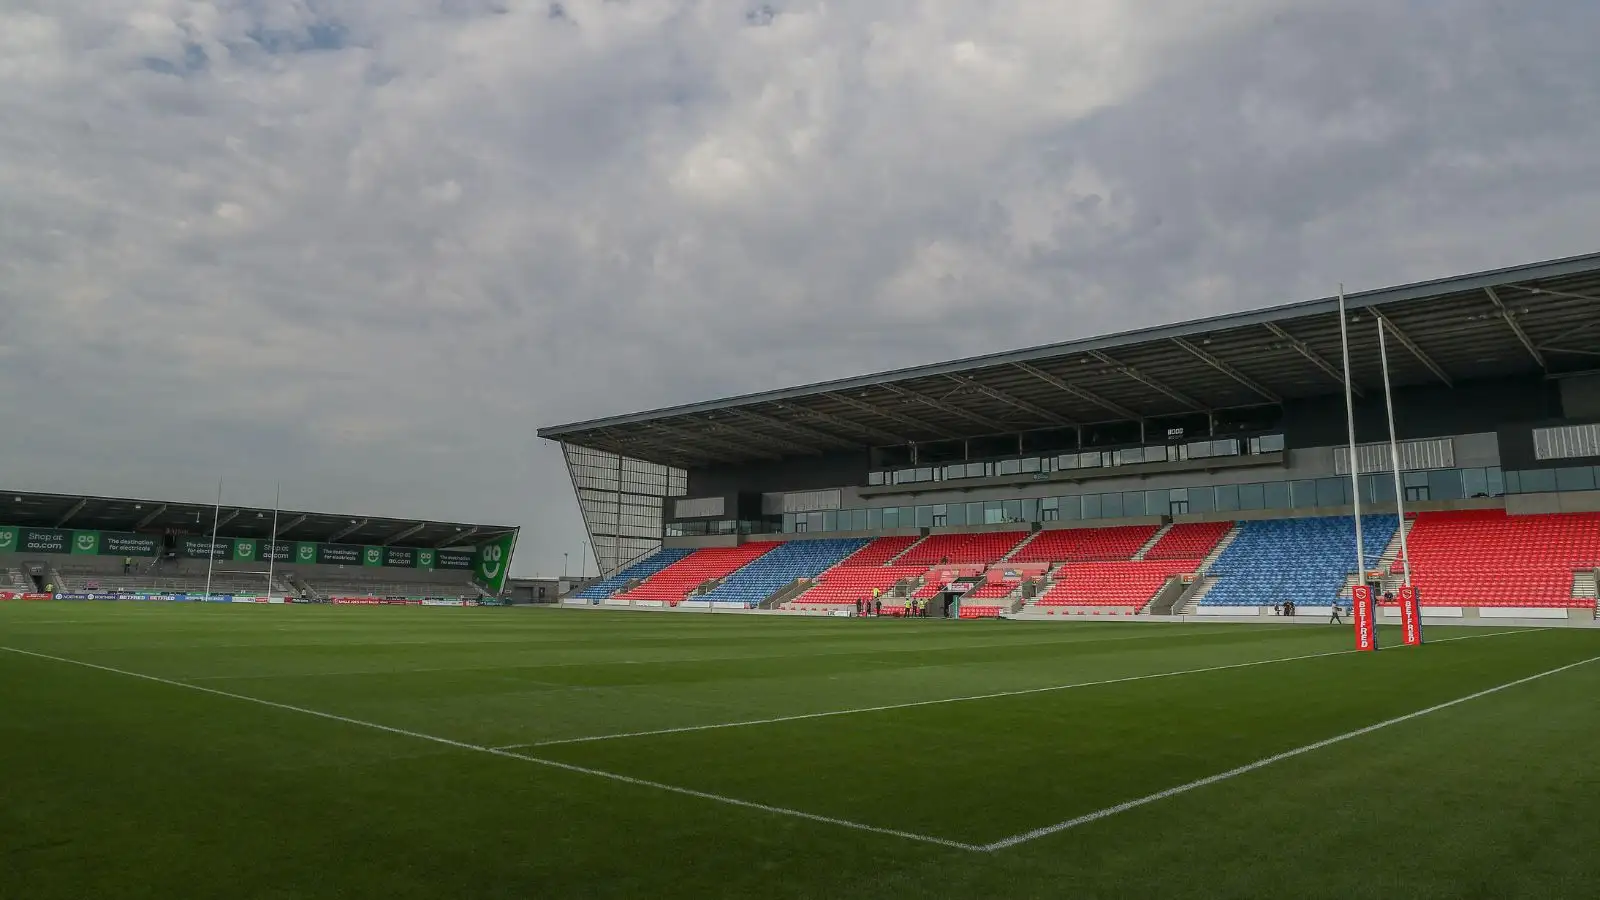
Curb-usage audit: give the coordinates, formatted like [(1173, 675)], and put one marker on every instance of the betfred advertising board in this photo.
[(1410, 616), (1365, 627)]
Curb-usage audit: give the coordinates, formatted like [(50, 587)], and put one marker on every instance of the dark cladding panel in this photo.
[(1421, 412), (800, 473)]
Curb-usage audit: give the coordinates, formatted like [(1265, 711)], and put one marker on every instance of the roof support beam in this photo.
[(877, 434), (286, 527), (1216, 363), (876, 410), (76, 508), (1313, 357), (402, 535), (154, 515), (1516, 328), (455, 539), (924, 399), (1550, 293), (1149, 382), (692, 438), (799, 431), (354, 527), (740, 438), (1018, 402), (1084, 393), (1416, 351)]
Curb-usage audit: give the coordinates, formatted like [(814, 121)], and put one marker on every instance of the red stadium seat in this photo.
[(1488, 558)]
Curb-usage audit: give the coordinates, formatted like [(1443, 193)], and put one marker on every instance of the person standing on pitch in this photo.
[(1333, 614)]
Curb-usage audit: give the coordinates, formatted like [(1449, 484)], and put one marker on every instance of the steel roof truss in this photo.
[(1147, 381), (1313, 357), (1228, 370), (1416, 351), (1516, 328), (1019, 403), (1080, 392)]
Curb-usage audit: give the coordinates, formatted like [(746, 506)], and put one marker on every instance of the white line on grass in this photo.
[(1096, 816), (936, 702), (566, 767)]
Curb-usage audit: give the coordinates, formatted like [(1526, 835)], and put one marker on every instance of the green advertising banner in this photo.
[(372, 556), (86, 543), (203, 547), (425, 559), (117, 543), (244, 549), (8, 539), (445, 559), (492, 563), (45, 540), (400, 557), (338, 554), (305, 553), (277, 551)]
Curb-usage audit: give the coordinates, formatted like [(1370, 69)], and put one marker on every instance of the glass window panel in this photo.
[(1303, 493), (1497, 485), (1474, 483), (814, 521), (1050, 503), (1110, 506), (788, 523), (1031, 464), (1030, 510), (1227, 497), (891, 517), (1252, 496), (1444, 484), (1011, 510), (1576, 478), (974, 513), (924, 517), (874, 519), (1071, 508), (1538, 481), (1133, 503), (830, 521), (1382, 489), (993, 513), (1275, 495), (1155, 502), (1091, 506), (1333, 492), (957, 513), (1202, 500)]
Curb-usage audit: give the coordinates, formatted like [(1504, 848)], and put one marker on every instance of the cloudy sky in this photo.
[(368, 246)]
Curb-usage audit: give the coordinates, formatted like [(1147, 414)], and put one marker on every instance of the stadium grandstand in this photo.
[(1197, 469), (75, 547)]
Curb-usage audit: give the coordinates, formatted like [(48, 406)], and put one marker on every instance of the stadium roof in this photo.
[(34, 510), (1541, 318)]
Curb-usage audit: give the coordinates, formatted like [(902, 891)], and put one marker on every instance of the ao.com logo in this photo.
[(85, 541), (373, 555), (306, 552), (244, 550), (7, 538), (492, 557), (425, 558)]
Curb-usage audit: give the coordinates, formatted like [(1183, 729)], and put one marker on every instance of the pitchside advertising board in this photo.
[(1365, 623), (488, 564)]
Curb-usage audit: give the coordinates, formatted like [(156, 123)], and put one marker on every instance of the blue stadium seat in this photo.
[(1304, 560), (795, 559), (642, 569)]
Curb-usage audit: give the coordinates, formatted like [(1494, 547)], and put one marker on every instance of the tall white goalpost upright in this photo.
[(1394, 453), (211, 550), (272, 541), (1350, 424)]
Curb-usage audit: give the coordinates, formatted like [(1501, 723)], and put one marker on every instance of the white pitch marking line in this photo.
[(566, 767), (1096, 816), (998, 694)]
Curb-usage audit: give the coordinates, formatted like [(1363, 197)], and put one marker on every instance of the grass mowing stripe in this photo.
[(504, 754), (943, 700), (1096, 816)]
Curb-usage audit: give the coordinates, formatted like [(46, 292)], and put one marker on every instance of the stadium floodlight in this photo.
[(1360, 594)]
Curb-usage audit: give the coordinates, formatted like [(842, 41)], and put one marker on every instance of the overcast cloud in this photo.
[(367, 246)]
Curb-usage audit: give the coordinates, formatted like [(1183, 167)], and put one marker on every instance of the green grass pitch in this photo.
[(168, 751)]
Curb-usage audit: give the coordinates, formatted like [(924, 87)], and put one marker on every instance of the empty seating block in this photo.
[(1304, 560), (984, 549), (1086, 544), (845, 584), (1487, 558), (641, 570), (1112, 583), (979, 612), (881, 551), (677, 580), (993, 590), (780, 568), (1191, 540)]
